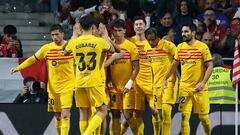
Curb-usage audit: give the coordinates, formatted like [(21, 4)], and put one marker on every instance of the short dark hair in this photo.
[(139, 18), (10, 29), (28, 79), (191, 26), (118, 23), (86, 22), (56, 27), (151, 30)]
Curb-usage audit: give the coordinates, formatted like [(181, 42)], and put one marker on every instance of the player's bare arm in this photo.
[(209, 66), (128, 86), (170, 71)]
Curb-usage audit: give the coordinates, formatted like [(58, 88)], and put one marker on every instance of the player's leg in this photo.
[(58, 122), (202, 107), (115, 105), (54, 106), (157, 110), (156, 121), (66, 104), (168, 100), (98, 99), (139, 106), (185, 106), (83, 103), (128, 110), (124, 127)]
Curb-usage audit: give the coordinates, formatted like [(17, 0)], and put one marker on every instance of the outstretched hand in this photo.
[(13, 70)]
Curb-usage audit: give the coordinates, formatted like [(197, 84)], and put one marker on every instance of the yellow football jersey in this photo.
[(121, 69), (192, 59), (60, 68), (87, 51), (145, 77), (162, 56)]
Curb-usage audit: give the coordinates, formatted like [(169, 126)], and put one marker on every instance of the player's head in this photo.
[(88, 23), (139, 25), (97, 22), (57, 33), (151, 35), (188, 32), (118, 28)]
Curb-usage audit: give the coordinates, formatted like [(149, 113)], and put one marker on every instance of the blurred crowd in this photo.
[(217, 21)]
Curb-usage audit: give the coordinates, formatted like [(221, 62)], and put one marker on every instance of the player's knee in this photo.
[(128, 114), (203, 117), (65, 113), (103, 110)]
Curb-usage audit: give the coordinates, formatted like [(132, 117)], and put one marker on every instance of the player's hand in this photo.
[(103, 30), (110, 85), (117, 56), (24, 90), (200, 86), (13, 70), (164, 85), (76, 31)]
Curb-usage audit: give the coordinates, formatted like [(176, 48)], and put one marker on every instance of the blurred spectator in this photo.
[(201, 28), (63, 11), (171, 34), (10, 45), (167, 5), (230, 37), (226, 7), (165, 21), (134, 8), (32, 92), (220, 84), (214, 26), (122, 7), (219, 15), (184, 16), (208, 39), (149, 13)]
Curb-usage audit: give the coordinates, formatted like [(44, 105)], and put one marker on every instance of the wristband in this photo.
[(129, 84)]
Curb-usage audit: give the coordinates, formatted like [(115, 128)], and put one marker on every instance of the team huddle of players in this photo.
[(119, 74)]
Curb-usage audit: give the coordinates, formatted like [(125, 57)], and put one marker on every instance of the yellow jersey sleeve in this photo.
[(41, 54), (69, 47), (206, 54), (134, 52)]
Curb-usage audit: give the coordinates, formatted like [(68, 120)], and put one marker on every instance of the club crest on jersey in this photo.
[(182, 62), (149, 58), (54, 63)]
